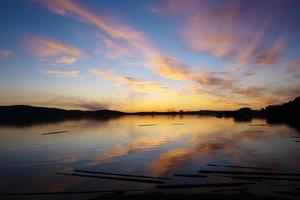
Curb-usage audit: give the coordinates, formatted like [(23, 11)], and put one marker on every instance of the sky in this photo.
[(143, 55)]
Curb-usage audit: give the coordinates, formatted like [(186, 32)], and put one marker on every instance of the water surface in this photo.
[(144, 145)]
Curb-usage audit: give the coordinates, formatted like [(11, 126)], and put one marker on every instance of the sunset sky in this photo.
[(138, 55)]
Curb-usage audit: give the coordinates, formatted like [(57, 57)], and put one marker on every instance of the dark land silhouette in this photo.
[(286, 113)]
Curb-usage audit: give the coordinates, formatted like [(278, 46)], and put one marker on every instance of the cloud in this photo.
[(231, 30), (62, 74), (273, 55), (132, 83), (90, 105), (242, 32), (170, 67), (114, 49), (211, 80), (248, 74), (45, 48), (5, 53), (66, 60), (293, 66), (121, 38)]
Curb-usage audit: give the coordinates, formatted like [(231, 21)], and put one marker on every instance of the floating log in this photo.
[(285, 185), (115, 178), (245, 167), (243, 178), (263, 177), (71, 192), (230, 190), (236, 166), (183, 186), (249, 173), (147, 125), (56, 132), (178, 124), (190, 175), (289, 193), (246, 192), (125, 175), (212, 165)]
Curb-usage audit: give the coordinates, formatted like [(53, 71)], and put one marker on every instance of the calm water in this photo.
[(29, 160)]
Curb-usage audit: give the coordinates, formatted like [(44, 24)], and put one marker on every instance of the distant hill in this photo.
[(32, 112), (289, 108)]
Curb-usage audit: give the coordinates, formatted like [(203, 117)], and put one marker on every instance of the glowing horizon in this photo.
[(149, 55)]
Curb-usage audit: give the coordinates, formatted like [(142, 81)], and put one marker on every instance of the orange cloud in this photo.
[(170, 67), (67, 60), (164, 65), (272, 55), (132, 83), (5, 53), (45, 48)]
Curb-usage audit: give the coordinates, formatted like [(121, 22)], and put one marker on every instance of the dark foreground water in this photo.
[(151, 146)]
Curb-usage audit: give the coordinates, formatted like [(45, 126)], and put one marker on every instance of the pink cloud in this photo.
[(5, 53), (61, 52)]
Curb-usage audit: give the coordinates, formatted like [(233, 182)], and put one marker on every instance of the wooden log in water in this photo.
[(290, 185), (246, 167), (147, 125), (249, 173), (230, 190), (176, 124), (184, 186), (115, 178), (288, 193), (264, 178), (125, 175), (212, 165), (71, 192), (56, 132), (236, 166), (190, 175), (243, 178)]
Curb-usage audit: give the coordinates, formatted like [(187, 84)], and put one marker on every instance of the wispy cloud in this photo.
[(272, 55), (162, 64), (130, 82), (61, 73), (46, 48), (236, 30), (4, 53), (293, 66), (66, 60), (171, 67), (114, 49)]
